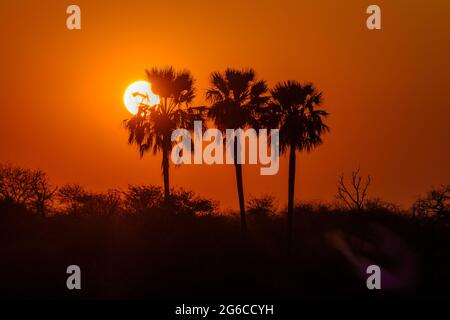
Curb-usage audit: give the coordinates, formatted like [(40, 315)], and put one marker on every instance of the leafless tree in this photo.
[(353, 195)]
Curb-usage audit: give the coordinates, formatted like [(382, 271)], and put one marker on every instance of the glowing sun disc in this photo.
[(137, 93)]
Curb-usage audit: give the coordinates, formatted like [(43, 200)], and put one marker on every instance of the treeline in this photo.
[(135, 243), (31, 190)]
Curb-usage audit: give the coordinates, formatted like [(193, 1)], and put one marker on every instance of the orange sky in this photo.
[(388, 91)]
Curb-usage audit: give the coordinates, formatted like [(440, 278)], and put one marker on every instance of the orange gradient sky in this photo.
[(388, 91)]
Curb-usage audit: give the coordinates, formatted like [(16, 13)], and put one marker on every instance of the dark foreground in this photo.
[(162, 255)]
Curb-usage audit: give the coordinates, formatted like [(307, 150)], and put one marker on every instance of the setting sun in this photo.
[(139, 93)]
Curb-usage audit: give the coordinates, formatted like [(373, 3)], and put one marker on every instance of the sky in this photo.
[(387, 91)]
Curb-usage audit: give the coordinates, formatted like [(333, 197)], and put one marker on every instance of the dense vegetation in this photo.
[(137, 244)]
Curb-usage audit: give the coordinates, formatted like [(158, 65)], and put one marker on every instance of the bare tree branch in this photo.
[(354, 196)]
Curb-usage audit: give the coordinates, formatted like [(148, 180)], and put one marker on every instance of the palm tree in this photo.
[(151, 128), (294, 110), (236, 99)]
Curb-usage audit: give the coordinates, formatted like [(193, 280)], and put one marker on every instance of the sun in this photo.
[(137, 93)]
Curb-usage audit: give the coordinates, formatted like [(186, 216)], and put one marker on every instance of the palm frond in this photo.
[(294, 110)]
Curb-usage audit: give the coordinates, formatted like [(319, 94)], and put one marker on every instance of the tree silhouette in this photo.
[(151, 128), (436, 203), (16, 184), (43, 192), (236, 99), (262, 207), (294, 110), (26, 187), (354, 195), (140, 199)]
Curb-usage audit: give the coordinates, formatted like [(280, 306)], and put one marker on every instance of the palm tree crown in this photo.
[(294, 110), (237, 98)]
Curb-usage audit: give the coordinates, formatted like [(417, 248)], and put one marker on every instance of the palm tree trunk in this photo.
[(291, 186), (240, 188), (165, 167)]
